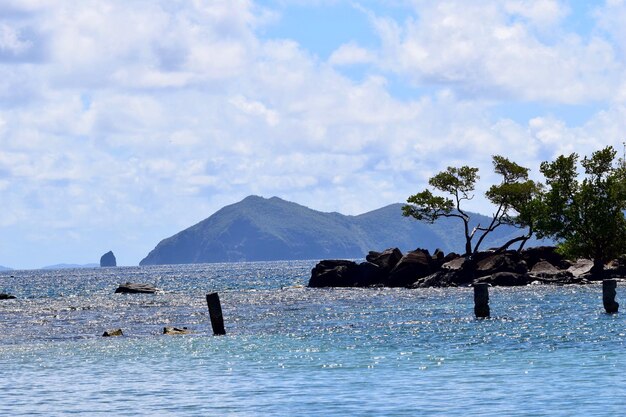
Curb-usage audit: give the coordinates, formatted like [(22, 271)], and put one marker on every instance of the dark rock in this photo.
[(616, 268), (438, 279), (7, 297), (505, 279), (413, 266), (112, 333), (333, 273), (459, 270), (386, 259), (176, 330), (581, 267), (369, 274), (454, 264), (544, 253), (450, 257), (134, 288), (544, 269), (418, 269), (510, 261), (108, 259), (339, 273)]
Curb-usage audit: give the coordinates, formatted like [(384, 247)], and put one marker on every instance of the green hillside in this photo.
[(259, 229)]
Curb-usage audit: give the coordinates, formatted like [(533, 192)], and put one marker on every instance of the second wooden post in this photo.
[(215, 312), (481, 300)]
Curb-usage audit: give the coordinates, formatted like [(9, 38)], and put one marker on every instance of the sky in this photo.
[(123, 122)]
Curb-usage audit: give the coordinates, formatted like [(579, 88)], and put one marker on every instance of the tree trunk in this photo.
[(468, 239), (521, 246), (522, 239), (468, 270), (597, 271)]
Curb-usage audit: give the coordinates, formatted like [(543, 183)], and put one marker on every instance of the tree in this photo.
[(514, 198), (517, 199), (459, 183), (586, 217)]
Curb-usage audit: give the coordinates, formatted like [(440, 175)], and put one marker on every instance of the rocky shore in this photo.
[(420, 269)]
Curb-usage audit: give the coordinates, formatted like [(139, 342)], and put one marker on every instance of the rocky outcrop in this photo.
[(544, 253), (385, 260), (411, 267), (581, 267), (134, 288), (333, 273), (108, 260), (441, 278), (418, 269), (501, 262), (505, 279), (7, 296), (544, 269), (339, 273)]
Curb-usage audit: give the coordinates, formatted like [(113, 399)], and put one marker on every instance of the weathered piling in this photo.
[(215, 312), (608, 295), (481, 300)]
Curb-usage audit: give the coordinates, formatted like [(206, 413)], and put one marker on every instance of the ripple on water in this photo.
[(294, 350)]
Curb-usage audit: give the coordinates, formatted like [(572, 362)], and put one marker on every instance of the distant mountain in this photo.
[(70, 266), (259, 229), (4, 268)]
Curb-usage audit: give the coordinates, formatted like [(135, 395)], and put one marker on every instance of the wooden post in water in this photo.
[(481, 300), (608, 296), (215, 311)]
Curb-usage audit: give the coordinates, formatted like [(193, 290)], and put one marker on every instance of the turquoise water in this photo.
[(292, 350)]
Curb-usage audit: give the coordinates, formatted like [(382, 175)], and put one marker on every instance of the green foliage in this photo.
[(515, 198), (428, 207), (586, 216), (459, 182)]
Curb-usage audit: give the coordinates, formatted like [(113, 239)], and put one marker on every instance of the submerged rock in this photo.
[(112, 333), (134, 288), (176, 330), (108, 259)]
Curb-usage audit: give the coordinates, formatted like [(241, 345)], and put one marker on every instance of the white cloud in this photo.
[(542, 13), (10, 40), (255, 108), (480, 49), (351, 54), (142, 118)]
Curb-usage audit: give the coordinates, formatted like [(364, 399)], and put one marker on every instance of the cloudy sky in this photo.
[(124, 121)]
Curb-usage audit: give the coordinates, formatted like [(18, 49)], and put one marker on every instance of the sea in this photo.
[(297, 351)]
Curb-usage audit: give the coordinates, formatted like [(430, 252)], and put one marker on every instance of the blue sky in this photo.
[(122, 123)]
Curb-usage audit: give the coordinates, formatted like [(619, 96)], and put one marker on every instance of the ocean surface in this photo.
[(291, 350)]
